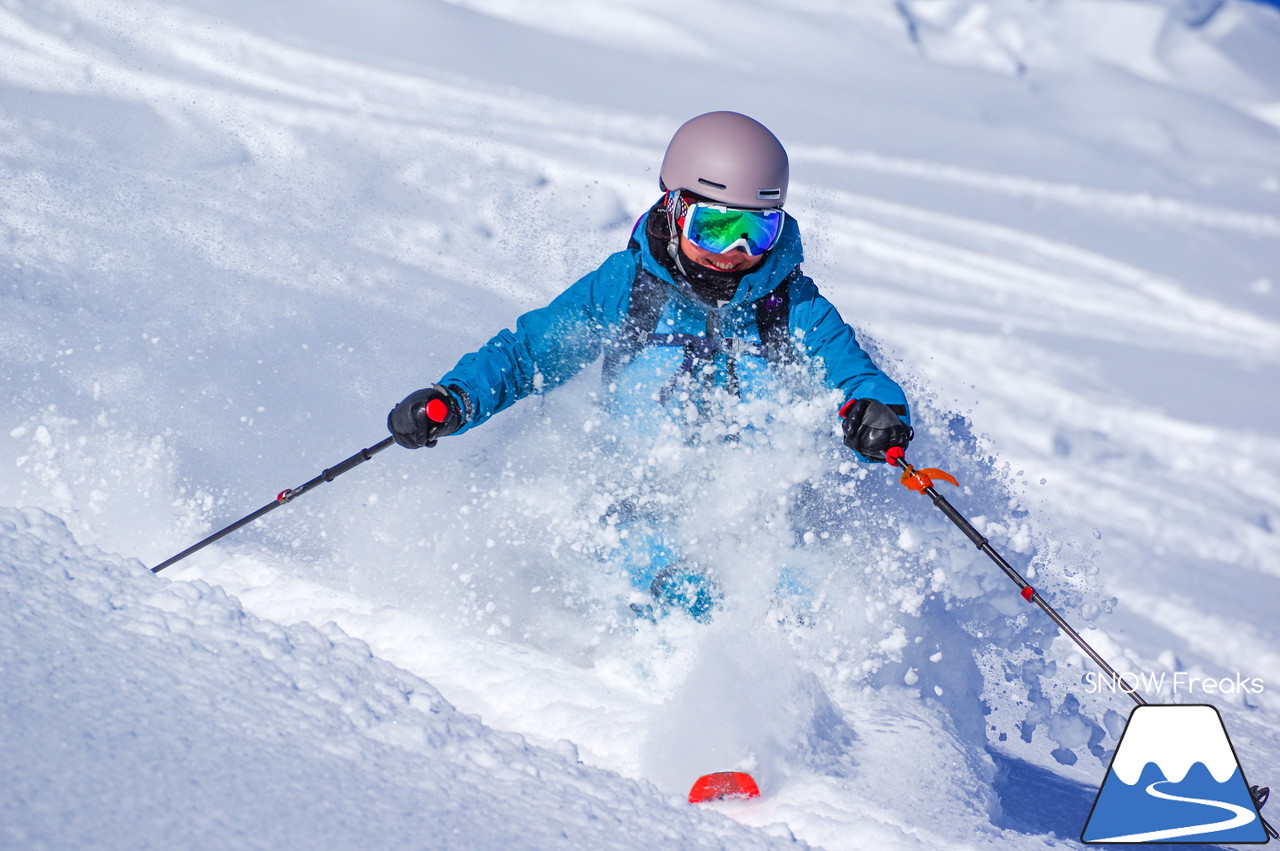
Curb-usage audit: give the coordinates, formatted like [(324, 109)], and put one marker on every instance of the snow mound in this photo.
[(155, 714)]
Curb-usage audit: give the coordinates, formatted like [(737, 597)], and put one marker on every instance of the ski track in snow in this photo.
[(281, 178), (1097, 201), (1041, 284)]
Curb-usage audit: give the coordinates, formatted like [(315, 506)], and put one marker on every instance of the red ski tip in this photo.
[(723, 784)]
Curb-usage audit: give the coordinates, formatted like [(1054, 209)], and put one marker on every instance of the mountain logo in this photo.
[(1174, 778)]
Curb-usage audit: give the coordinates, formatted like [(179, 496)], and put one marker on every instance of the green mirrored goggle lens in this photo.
[(718, 229)]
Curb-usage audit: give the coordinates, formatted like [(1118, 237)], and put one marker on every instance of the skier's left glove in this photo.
[(424, 417), (871, 428)]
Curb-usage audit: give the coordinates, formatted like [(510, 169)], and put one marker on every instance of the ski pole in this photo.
[(921, 481), (286, 495)]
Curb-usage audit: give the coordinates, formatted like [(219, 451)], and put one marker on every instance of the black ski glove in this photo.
[(424, 417), (871, 427)]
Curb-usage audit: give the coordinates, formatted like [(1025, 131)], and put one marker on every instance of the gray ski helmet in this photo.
[(727, 157)]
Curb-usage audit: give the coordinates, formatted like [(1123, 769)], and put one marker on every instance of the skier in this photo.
[(705, 307)]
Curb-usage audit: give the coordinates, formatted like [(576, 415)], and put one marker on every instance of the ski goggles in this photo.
[(719, 229)]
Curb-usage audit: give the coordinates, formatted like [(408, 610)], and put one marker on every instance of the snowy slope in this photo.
[(235, 234), (164, 715)]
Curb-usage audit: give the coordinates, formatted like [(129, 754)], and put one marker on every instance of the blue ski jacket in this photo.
[(693, 350)]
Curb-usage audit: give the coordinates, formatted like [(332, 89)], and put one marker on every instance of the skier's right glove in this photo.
[(871, 428), (424, 417)]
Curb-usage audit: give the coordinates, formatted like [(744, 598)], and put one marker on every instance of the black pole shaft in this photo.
[(1028, 593), (287, 495)]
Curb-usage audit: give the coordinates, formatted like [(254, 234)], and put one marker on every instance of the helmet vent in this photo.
[(768, 194), (711, 183)]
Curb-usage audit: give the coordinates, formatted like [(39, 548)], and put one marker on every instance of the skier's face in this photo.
[(735, 260)]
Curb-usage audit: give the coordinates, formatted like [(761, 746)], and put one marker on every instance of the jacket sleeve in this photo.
[(549, 345), (829, 341)]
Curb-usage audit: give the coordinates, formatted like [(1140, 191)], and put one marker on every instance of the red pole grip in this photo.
[(437, 411)]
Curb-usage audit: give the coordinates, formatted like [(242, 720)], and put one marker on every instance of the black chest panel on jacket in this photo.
[(650, 296)]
